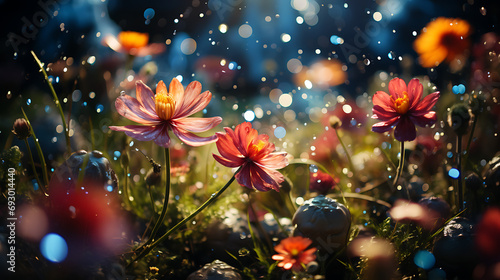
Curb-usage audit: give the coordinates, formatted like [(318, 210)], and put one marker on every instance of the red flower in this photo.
[(244, 147), (488, 232), (292, 253), (321, 182), (403, 109), (167, 111)]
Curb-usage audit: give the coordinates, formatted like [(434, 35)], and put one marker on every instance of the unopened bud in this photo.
[(473, 182), (21, 129), (335, 122), (153, 178), (459, 118), (125, 160)]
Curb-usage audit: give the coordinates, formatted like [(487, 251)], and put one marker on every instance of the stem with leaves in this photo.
[(56, 100), (212, 198)]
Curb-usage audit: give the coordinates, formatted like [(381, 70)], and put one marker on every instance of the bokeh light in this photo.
[(54, 247)]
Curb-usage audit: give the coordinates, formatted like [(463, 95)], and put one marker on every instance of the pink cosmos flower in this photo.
[(167, 111), (244, 147), (403, 109)]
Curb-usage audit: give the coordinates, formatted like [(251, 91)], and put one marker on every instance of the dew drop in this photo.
[(28, 101), (482, 11), (149, 13)]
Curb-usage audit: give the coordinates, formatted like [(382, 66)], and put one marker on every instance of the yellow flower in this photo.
[(443, 39)]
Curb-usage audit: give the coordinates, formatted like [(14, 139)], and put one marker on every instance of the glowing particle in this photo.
[(249, 115), (279, 132), (188, 46), (347, 108), (308, 84), (245, 31), (54, 247), (294, 65), (285, 37), (454, 173), (424, 259), (377, 16), (99, 108), (149, 13), (285, 100), (299, 20), (223, 28), (91, 60)]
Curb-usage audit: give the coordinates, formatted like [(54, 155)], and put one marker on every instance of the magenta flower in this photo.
[(403, 109), (244, 147), (167, 111)]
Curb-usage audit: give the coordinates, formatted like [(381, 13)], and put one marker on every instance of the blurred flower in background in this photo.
[(443, 39), (133, 43)]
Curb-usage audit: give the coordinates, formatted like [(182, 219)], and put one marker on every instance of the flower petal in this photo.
[(197, 124), (405, 130), (424, 120), (415, 90), (131, 109), (228, 163), (382, 99), (383, 115), (265, 179), (192, 139), (243, 177), (396, 88), (185, 101), (227, 148), (177, 91), (145, 96), (163, 139), (139, 132), (384, 126), (426, 104), (194, 105), (274, 160)]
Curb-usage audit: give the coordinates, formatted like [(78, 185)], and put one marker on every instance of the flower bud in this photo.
[(473, 182), (153, 178), (335, 122), (459, 118), (21, 129)]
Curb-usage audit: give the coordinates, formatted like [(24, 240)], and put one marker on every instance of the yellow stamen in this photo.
[(258, 147), (294, 252), (165, 105), (402, 104)]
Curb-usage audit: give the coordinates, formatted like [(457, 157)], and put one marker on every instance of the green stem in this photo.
[(461, 205), (33, 166), (125, 187), (153, 208), (351, 166), (40, 155), (56, 100), (165, 200), (212, 198), (400, 168)]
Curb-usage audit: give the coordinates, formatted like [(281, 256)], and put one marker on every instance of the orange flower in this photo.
[(442, 39), (293, 254), (133, 43)]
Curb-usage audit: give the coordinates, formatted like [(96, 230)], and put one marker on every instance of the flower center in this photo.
[(294, 252), (165, 106), (257, 147), (402, 104)]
